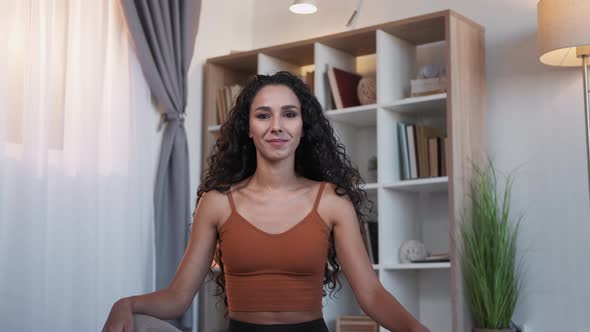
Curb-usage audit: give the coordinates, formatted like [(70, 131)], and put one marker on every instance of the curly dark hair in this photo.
[(319, 156)]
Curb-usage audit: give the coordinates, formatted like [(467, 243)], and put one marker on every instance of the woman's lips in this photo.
[(277, 142)]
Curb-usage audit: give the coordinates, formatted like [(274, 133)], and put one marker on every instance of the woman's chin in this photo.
[(277, 156)]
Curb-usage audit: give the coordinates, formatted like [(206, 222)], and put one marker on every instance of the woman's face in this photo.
[(276, 122)]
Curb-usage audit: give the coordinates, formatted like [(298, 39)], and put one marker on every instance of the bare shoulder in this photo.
[(334, 207), (213, 207)]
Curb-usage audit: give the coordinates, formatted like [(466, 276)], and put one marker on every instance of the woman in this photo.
[(282, 200)]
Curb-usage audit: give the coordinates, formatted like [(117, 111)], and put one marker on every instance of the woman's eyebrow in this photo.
[(268, 108)]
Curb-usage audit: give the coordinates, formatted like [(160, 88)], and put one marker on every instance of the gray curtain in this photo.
[(164, 33)]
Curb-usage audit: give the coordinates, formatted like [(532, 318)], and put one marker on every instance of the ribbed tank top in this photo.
[(274, 272)]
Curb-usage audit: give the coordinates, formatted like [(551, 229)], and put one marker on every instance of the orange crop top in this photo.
[(274, 272)]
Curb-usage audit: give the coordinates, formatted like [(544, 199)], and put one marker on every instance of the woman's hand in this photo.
[(120, 318), (420, 328)]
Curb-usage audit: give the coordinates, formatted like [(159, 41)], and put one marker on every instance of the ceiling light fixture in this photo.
[(304, 7)]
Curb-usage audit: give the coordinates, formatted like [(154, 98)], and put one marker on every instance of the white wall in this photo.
[(535, 126)]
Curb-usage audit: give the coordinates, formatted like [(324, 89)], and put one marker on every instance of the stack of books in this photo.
[(226, 98), (423, 151), (434, 258)]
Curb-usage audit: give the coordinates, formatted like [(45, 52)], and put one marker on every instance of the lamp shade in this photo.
[(563, 31)]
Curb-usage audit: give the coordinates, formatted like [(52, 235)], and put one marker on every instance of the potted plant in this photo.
[(487, 252)]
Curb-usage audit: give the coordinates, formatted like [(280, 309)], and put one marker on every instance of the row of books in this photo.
[(423, 151), (370, 240), (226, 98)]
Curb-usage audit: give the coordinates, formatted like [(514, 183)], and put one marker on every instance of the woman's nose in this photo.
[(276, 125)]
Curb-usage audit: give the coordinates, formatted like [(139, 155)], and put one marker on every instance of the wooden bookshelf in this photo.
[(425, 209)]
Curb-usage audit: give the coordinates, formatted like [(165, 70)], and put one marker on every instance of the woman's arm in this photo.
[(171, 302), (389, 313), (373, 298)]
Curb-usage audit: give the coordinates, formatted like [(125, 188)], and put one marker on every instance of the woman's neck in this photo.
[(269, 177)]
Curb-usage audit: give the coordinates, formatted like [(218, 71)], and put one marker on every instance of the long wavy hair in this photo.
[(319, 156)]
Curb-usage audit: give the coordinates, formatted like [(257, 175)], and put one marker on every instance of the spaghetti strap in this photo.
[(231, 201), (317, 200)]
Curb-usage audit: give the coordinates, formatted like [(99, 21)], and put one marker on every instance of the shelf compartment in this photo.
[(361, 63), (269, 65)]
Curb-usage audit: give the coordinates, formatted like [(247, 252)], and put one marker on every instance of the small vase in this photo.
[(494, 330)]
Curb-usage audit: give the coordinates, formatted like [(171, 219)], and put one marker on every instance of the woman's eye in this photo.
[(262, 116), (291, 114)]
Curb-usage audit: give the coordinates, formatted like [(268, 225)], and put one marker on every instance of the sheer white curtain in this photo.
[(78, 148)]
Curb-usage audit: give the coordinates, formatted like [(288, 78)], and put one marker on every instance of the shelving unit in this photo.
[(424, 209)]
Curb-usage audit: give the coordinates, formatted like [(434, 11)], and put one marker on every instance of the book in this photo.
[(374, 240), (439, 144), (226, 99), (309, 79), (343, 85), (223, 103), (423, 134), (433, 258), (411, 136), (443, 158), (433, 156), (218, 114), (235, 91), (328, 92), (368, 244), (403, 151)]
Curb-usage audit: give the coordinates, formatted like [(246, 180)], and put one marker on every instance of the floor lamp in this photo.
[(564, 40)]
